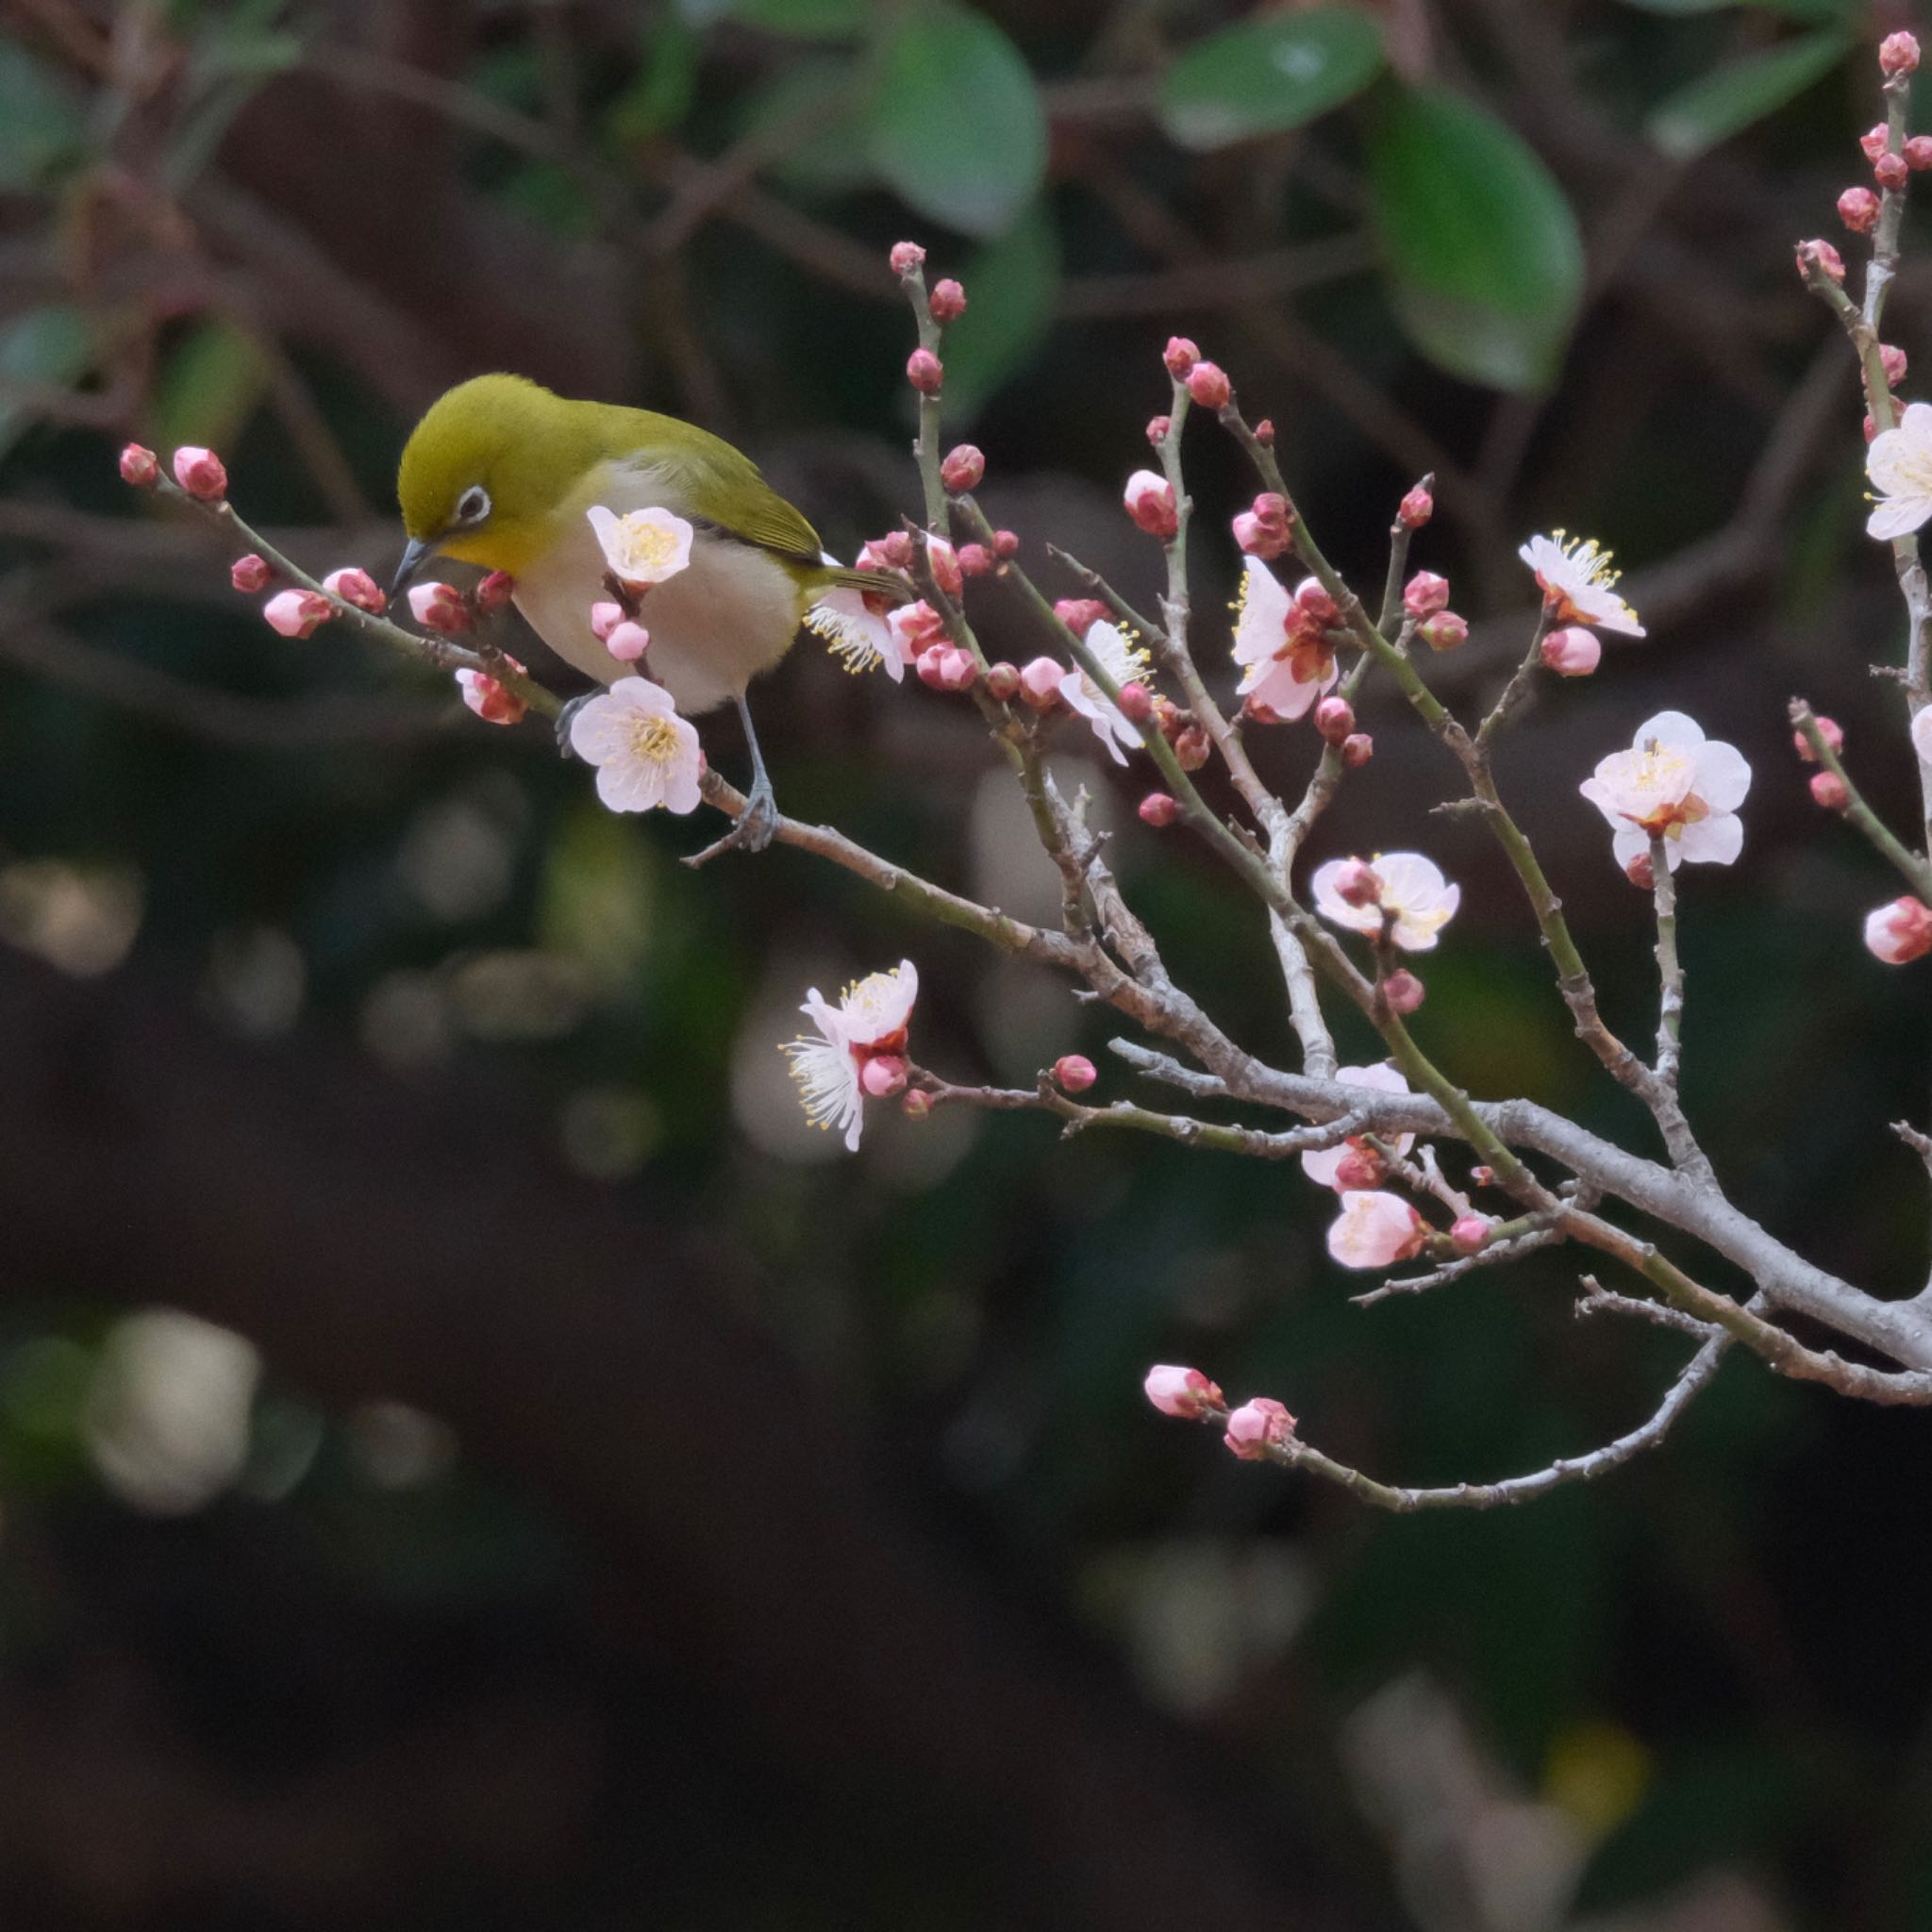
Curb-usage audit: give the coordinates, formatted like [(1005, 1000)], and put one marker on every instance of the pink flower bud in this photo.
[(1640, 873), (495, 590), (1193, 748), (905, 257), (628, 641), (916, 626), (1900, 932), (1824, 255), (1858, 209), (1356, 750), (1402, 991), (1424, 595), (250, 573), (1335, 718), (1006, 544), (1828, 729), (1257, 538), (200, 472), (963, 468), (1572, 652), (1180, 357), (440, 607), (1898, 54), (944, 561), (139, 466), (931, 666), (1257, 1427), (494, 703), (1264, 432), (1919, 153), (1073, 1073), (1208, 385), (1893, 362), (1040, 683), (1869, 428), (947, 302), (1360, 1168), (883, 1075), (605, 618), (916, 1105), (924, 373), (1158, 427), (1135, 704), (296, 613), (1469, 1234), (1829, 791), (1080, 614), (1890, 172), (975, 560), (1480, 1177), (1150, 503), (895, 550), (1875, 141), (1003, 681), (1416, 508), (1358, 884), (1315, 605), (1158, 810), (957, 672), (1185, 1392), (1444, 631), (355, 585)]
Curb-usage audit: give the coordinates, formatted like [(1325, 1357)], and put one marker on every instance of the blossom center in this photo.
[(653, 739)]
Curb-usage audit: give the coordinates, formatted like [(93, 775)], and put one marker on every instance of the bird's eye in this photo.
[(472, 506)]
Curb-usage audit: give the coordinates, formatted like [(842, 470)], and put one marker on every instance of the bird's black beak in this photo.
[(415, 555)]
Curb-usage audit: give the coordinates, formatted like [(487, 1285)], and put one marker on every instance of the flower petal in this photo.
[(1715, 840)]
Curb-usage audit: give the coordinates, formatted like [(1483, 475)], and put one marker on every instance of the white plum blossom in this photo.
[(1284, 666), (1678, 784), (860, 636), (1126, 663), (1899, 462), (1921, 734), (1321, 1164), (869, 1021), (1376, 1230), (646, 754), (1411, 893), (1578, 581), (642, 547)]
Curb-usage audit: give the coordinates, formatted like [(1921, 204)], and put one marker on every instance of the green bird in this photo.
[(501, 472)]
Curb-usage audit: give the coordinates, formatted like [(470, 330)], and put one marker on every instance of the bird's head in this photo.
[(485, 470)]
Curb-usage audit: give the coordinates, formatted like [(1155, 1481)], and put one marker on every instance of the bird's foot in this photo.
[(566, 717), (757, 825)]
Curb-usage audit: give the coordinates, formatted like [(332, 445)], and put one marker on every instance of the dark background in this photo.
[(599, 1503)]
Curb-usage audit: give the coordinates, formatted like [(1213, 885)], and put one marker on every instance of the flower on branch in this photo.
[(1675, 784), (1899, 463), (1176, 1391), (641, 547), (869, 1025), (1281, 641), (1323, 1164), (492, 702), (644, 753), (1126, 663), (1412, 899), (1376, 1230), (1579, 582), (354, 585), (1150, 503), (854, 626), (1256, 1426), (200, 472), (297, 613), (1900, 932), (440, 608)]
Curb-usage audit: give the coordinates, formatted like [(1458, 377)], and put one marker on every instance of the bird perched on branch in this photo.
[(502, 473)]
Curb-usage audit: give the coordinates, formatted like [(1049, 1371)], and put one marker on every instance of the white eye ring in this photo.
[(473, 505)]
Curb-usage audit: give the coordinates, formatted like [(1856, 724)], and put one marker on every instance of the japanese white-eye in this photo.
[(501, 472)]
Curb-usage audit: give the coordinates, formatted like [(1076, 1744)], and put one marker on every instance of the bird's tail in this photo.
[(874, 583)]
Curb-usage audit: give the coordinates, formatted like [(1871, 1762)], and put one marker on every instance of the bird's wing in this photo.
[(724, 486)]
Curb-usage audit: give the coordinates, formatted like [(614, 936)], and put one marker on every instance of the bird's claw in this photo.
[(756, 826)]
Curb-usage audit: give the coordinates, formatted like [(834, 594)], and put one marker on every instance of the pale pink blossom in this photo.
[(1279, 642), (644, 753), (1321, 1164), (641, 547), (1040, 682), (297, 613), (1899, 463), (1176, 1391), (1125, 662), (1579, 582), (1412, 898), (1678, 784), (628, 641), (871, 1020), (605, 615), (1259, 1425), (1376, 1230), (1899, 932)]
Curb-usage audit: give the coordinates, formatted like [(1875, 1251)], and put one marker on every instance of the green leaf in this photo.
[(1268, 74), (1728, 99), (209, 388), (807, 19), (660, 93), (53, 347), (41, 124), (1485, 261), (837, 158), (1011, 287), (957, 125)]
